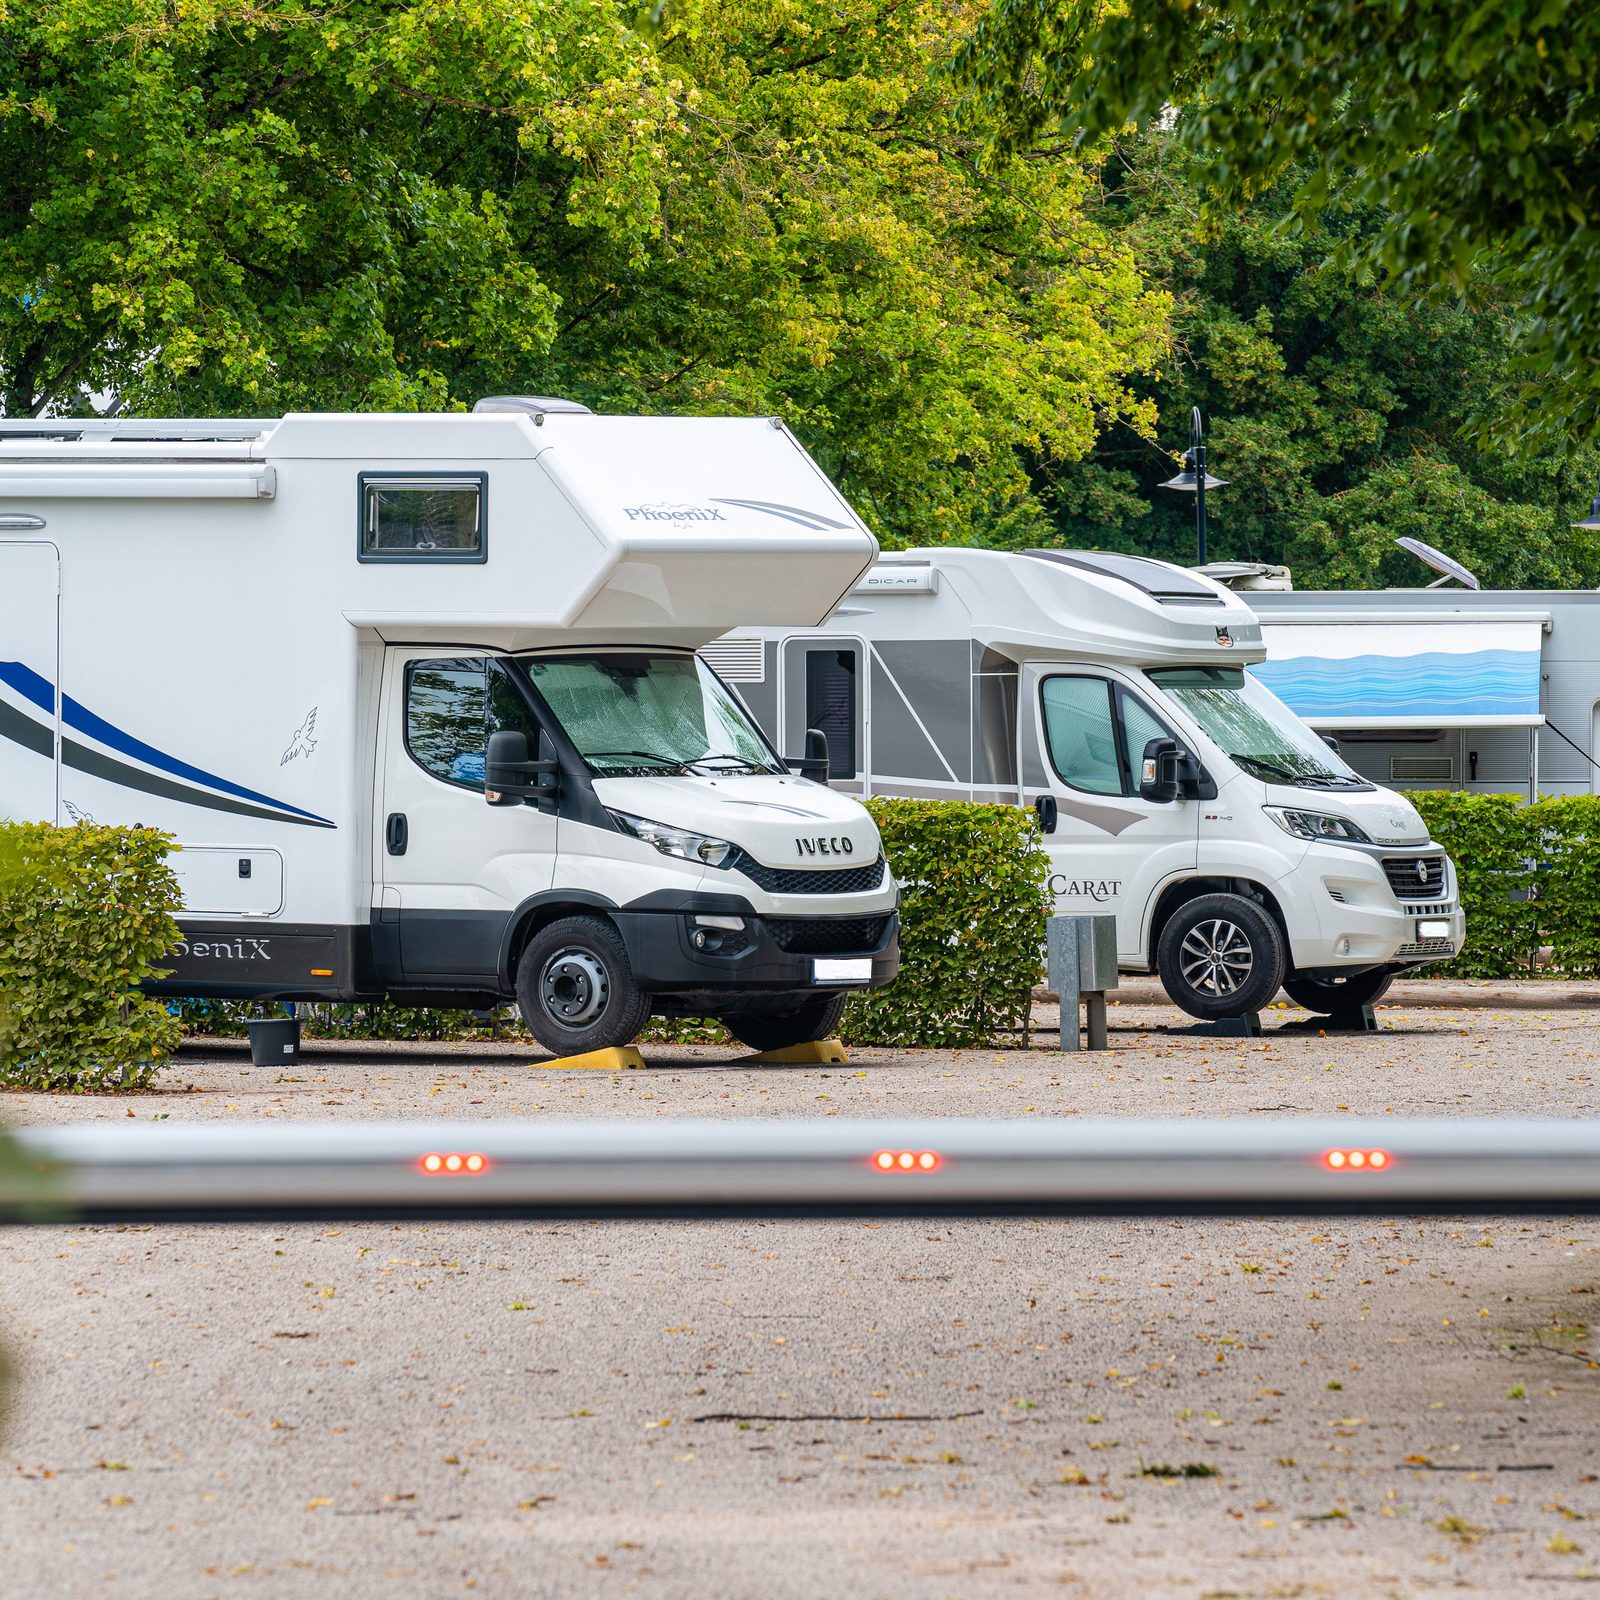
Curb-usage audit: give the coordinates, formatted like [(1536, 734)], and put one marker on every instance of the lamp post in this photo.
[(1195, 480), (1591, 523)]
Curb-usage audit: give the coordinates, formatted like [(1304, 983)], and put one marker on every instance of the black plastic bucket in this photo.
[(274, 1041)]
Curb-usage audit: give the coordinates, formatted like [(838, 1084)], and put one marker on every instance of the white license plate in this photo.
[(854, 969), (1433, 928)]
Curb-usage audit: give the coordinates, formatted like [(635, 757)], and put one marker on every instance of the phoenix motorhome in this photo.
[(419, 698), (1236, 848)]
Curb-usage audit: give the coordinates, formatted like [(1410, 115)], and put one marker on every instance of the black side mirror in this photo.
[(814, 763), (1048, 811), (1158, 771), (1332, 743), (507, 770)]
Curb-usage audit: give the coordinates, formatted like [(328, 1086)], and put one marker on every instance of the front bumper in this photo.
[(770, 955), (1355, 919)]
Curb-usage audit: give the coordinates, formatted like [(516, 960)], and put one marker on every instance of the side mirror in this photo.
[(1048, 811), (814, 763), (1158, 771), (507, 770), (1332, 743)]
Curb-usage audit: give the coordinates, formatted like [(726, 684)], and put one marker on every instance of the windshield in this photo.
[(1245, 718), (633, 714)]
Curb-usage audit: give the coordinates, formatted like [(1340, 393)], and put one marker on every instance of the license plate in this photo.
[(854, 969), (1433, 928)]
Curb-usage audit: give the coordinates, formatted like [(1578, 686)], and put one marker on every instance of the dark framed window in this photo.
[(423, 516), (452, 705), (1096, 732), (831, 704)]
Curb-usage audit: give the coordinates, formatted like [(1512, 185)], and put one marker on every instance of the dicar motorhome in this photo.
[(1236, 848), (418, 696)]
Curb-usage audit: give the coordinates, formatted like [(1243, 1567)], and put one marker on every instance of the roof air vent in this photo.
[(531, 405)]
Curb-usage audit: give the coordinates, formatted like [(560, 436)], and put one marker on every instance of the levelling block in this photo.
[(815, 1053), (1246, 1027), (1361, 1019), (596, 1060)]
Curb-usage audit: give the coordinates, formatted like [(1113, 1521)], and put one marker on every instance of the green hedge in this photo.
[(85, 917), (972, 924), (1529, 876)]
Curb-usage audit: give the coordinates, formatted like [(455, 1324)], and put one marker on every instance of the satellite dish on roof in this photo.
[(1440, 562)]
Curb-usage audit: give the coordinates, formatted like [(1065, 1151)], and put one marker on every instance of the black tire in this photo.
[(1221, 956), (816, 1018), (1332, 998), (576, 988)]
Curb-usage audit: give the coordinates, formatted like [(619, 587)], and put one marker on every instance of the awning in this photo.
[(1435, 673)]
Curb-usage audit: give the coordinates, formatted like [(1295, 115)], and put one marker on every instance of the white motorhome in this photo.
[(418, 696), (1236, 848)]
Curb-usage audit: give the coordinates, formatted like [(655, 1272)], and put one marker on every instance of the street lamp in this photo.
[(1591, 523), (1195, 480)]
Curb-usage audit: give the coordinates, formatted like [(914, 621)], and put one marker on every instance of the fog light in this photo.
[(698, 938), (1342, 948)]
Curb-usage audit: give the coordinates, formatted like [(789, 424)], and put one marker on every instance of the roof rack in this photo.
[(135, 430)]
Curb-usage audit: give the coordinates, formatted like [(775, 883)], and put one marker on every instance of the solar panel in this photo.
[(1154, 578)]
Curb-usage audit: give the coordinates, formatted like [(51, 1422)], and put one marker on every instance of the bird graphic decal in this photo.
[(302, 744), (77, 815)]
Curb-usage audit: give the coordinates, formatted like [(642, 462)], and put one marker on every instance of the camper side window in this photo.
[(423, 517), (452, 706), (1082, 733)]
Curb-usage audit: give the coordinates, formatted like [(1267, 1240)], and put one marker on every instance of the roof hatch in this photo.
[(1168, 585)]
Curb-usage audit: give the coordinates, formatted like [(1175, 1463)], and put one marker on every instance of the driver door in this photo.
[(450, 868), (1111, 850)]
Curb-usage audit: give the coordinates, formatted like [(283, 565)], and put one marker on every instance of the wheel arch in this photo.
[(1179, 894), (537, 912)]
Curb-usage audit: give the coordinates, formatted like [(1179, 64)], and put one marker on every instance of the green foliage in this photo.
[(85, 918), (1566, 837), (243, 206), (972, 924), (1338, 410), (1488, 838), (1471, 128)]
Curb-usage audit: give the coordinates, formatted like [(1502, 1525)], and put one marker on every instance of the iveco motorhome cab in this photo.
[(418, 696), (1236, 848)]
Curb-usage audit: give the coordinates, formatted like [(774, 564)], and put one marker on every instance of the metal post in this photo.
[(1198, 453)]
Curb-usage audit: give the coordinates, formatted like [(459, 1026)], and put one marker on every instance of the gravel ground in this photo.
[(1158, 1408)]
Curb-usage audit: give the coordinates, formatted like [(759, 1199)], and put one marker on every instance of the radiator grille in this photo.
[(1426, 947), (838, 880), (826, 936), (1415, 877)]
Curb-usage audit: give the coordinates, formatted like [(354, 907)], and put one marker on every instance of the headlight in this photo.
[(1316, 825), (670, 841)]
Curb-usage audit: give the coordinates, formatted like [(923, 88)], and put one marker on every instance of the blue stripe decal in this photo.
[(1433, 683), (28, 683)]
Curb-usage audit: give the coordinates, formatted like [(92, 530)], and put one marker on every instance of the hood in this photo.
[(782, 822), (1384, 816)]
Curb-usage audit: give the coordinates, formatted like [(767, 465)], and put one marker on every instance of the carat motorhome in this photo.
[(1235, 847), (418, 696)]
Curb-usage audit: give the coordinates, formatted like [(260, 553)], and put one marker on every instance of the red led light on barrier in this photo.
[(452, 1163), (1355, 1160), (907, 1161)]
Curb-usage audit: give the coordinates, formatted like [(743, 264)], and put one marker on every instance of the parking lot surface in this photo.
[(1167, 1407)]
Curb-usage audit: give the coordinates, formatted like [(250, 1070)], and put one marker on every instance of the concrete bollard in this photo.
[(1081, 962)]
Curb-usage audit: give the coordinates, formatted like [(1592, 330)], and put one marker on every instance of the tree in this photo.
[(1333, 405), (1470, 131), (235, 206)]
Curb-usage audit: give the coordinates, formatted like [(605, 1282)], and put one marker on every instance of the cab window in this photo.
[(1096, 732), (451, 707)]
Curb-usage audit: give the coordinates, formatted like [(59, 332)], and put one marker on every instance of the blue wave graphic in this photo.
[(1478, 683)]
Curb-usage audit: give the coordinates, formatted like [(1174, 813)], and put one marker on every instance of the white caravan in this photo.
[(303, 646), (1236, 848)]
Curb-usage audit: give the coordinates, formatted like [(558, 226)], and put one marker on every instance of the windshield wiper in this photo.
[(742, 763), (640, 755), (1271, 768)]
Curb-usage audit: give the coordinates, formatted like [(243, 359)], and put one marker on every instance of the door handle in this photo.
[(395, 833)]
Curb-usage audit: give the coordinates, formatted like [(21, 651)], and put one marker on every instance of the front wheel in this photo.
[(1332, 996), (816, 1018), (576, 988), (1221, 956)]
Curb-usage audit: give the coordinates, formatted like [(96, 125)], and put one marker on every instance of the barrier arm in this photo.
[(201, 1172)]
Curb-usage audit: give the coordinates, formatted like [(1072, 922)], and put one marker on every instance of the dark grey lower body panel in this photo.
[(252, 960)]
